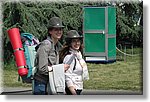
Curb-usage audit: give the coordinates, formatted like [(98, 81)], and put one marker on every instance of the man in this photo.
[(48, 55)]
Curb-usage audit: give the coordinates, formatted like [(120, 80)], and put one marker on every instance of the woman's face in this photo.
[(75, 44)]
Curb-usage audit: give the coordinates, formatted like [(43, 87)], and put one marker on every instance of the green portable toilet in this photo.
[(99, 32)]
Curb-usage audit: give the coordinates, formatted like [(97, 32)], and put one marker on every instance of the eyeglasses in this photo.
[(76, 41)]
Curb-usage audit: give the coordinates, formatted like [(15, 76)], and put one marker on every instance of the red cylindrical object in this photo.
[(20, 58), (14, 36), (15, 39), (23, 71)]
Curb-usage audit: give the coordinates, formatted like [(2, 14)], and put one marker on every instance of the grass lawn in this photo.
[(117, 76), (120, 75)]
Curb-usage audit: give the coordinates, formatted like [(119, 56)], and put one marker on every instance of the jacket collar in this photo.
[(49, 38), (58, 44)]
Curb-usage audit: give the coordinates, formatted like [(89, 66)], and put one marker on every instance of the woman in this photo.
[(78, 71)]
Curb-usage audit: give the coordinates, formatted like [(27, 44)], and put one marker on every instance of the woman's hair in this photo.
[(63, 53), (65, 50)]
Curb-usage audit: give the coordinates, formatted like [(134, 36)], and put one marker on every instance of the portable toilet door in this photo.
[(99, 32)]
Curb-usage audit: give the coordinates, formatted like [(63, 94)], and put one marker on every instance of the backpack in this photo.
[(29, 42)]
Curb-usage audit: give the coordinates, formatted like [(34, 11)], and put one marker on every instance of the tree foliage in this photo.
[(33, 17), (128, 17)]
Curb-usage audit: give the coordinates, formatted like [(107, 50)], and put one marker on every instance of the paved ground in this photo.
[(28, 91)]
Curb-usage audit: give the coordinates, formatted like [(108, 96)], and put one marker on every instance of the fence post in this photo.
[(132, 50), (119, 46), (125, 53)]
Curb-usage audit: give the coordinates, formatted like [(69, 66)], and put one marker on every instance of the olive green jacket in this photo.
[(47, 55)]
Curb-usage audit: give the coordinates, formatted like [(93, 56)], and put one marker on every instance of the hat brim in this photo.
[(75, 37), (57, 26)]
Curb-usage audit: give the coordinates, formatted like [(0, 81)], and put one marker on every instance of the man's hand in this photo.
[(50, 69), (66, 67)]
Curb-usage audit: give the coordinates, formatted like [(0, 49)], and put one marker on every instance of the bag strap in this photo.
[(74, 64)]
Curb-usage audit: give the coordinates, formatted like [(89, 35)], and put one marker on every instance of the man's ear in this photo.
[(50, 32)]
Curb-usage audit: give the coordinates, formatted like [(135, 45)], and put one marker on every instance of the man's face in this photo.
[(56, 33)]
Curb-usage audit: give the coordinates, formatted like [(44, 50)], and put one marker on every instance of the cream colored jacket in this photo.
[(75, 76)]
